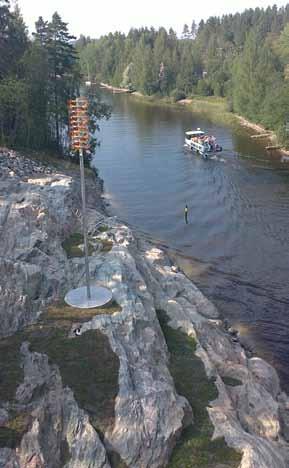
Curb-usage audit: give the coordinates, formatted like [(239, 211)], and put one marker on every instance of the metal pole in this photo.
[(84, 224)]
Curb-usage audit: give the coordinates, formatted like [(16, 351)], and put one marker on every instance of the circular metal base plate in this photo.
[(78, 297)]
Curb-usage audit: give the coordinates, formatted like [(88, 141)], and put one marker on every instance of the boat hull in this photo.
[(201, 149)]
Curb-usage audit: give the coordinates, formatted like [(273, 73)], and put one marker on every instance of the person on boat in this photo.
[(186, 213)]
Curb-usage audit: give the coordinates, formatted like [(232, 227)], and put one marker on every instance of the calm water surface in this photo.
[(238, 233)]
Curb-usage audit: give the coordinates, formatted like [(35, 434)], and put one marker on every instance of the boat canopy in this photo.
[(195, 133)]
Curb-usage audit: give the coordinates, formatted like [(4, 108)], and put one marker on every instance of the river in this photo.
[(238, 233)]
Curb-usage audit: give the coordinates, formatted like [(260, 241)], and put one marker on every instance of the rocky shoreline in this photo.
[(53, 409)]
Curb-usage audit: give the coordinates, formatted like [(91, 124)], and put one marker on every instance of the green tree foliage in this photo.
[(282, 45), (97, 110), (63, 75), (35, 65), (5, 18), (18, 41), (194, 30), (13, 87), (13, 39), (244, 57), (37, 77), (41, 34), (186, 32), (13, 110)]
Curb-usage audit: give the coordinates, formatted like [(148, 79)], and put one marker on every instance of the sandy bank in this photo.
[(114, 89)]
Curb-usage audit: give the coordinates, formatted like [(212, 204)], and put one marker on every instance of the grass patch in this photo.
[(60, 312), (195, 449), (64, 453), (72, 246), (13, 431), (87, 365), (11, 374), (106, 244), (214, 108), (115, 460), (231, 381), (103, 228), (9, 438), (208, 104)]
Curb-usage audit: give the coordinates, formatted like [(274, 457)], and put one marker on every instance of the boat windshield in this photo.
[(195, 134)]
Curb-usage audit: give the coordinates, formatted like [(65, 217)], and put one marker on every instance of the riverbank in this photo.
[(152, 378), (216, 110)]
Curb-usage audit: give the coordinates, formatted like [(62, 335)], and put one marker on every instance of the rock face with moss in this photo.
[(246, 415), (149, 414), (59, 432), (153, 380)]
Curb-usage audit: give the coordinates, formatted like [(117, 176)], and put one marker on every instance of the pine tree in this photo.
[(13, 38), (282, 46), (41, 34), (18, 40), (186, 32), (61, 64), (194, 30), (4, 35), (36, 77)]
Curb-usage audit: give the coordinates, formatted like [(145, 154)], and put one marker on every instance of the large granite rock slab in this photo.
[(38, 209)]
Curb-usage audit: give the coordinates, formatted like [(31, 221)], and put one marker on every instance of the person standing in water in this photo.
[(186, 213)]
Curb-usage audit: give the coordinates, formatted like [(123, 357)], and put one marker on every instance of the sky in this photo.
[(95, 18)]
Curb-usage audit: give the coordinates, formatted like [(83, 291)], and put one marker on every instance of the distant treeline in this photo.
[(244, 57), (38, 75)]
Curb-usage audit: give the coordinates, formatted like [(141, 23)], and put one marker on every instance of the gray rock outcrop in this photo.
[(38, 209), (59, 431)]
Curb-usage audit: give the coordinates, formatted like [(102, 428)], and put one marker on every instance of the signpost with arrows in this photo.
[(83, 297)]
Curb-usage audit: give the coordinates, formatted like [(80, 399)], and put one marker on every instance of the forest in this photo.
[(243, 57), (38, 75)]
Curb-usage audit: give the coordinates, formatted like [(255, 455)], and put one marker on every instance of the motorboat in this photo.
[(198, 142)]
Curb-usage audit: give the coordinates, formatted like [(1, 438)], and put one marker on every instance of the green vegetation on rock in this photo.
[(11, 373), (103, 228), (106, 244), (73, 245), (195, 449), (13, 431), (231, 382), (87, 365), (115, 460), (60, 313)]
